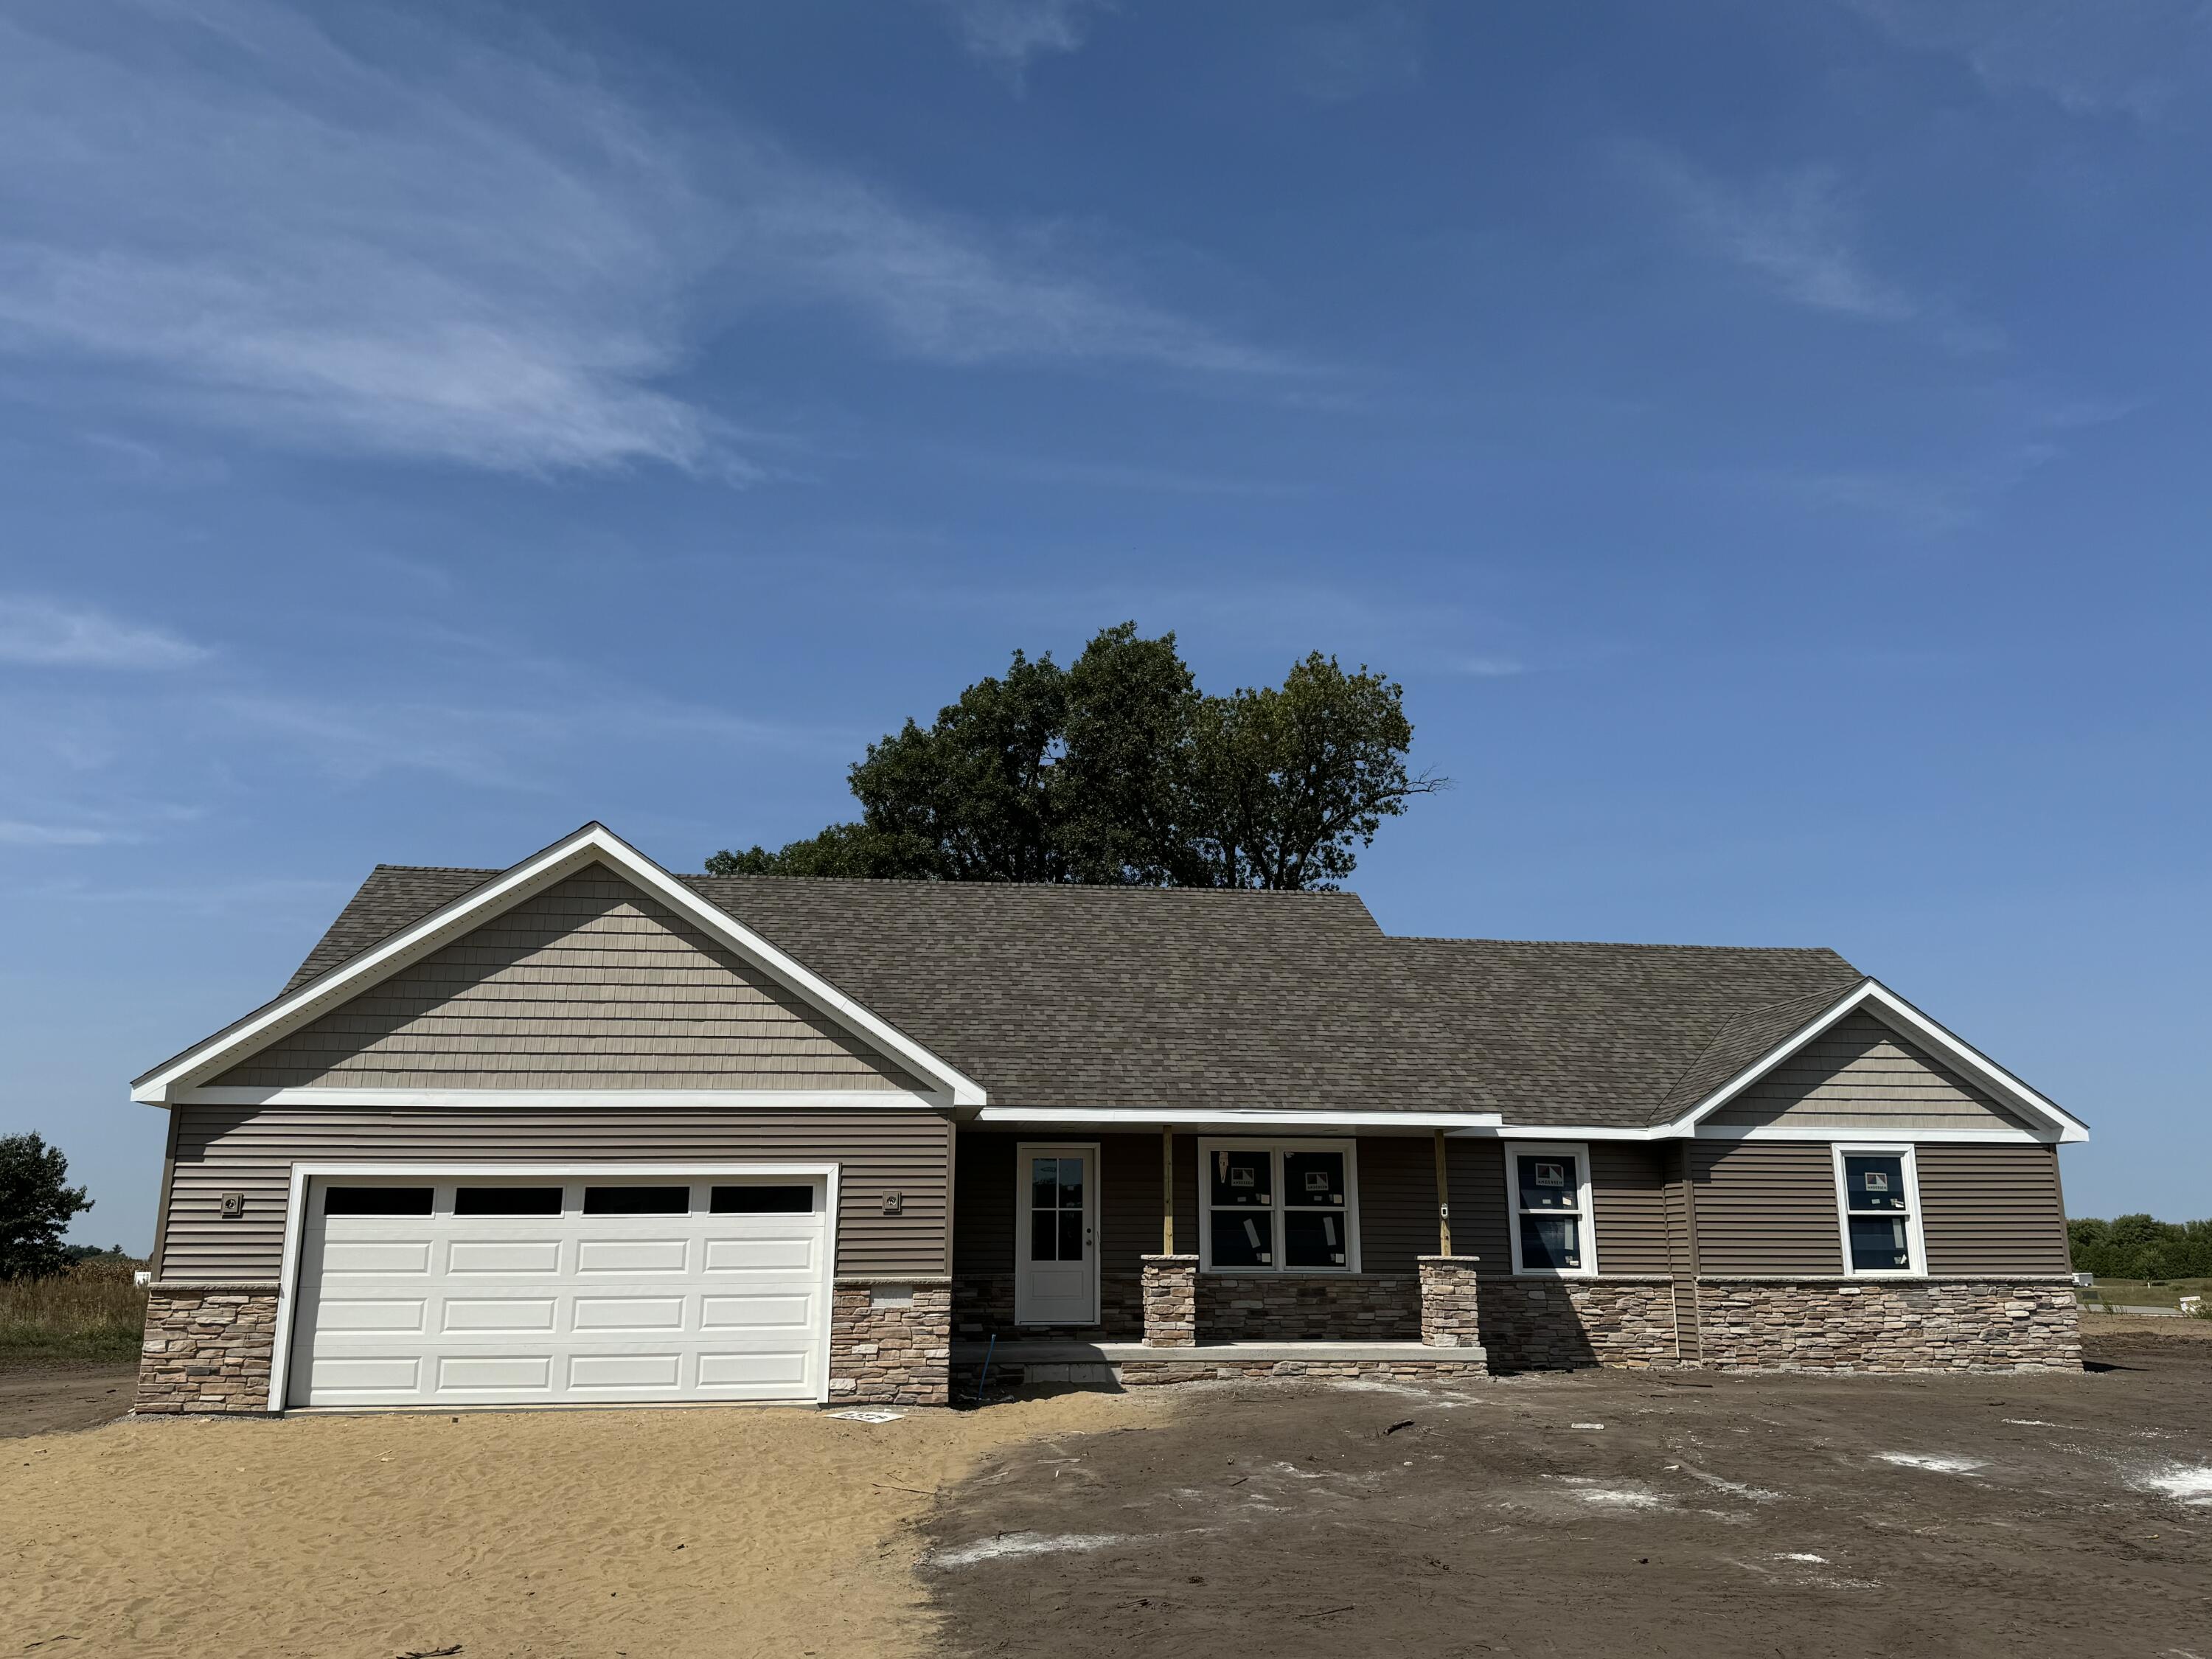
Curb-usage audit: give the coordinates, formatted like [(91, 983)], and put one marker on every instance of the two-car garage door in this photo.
[(448, 1290)]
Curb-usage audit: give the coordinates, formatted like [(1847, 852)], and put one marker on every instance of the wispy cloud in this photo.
[(479, 255), (1010, 34), (41, 633), (1797, 233), (15, 832), (2135, 56), (1333, 60)]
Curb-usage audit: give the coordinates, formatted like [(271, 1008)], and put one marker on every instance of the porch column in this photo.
[(1171, 1300), (1450, 1317)]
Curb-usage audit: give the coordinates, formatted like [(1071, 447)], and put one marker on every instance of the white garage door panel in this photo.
[(483, 1309)]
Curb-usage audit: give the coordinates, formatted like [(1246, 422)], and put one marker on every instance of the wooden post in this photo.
[(1167, 1190), (1443, 1200)]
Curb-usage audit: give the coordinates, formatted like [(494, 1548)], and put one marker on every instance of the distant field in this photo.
[(89, 1315), (2135, 1292)]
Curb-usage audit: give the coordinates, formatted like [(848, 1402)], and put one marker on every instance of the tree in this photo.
[(36, 1206), (1120, 770)]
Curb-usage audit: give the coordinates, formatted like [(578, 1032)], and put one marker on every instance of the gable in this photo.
[(1859, 1073), (591, 983)]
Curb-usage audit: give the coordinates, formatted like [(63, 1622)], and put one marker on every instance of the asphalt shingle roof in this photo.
[(1092, 997)]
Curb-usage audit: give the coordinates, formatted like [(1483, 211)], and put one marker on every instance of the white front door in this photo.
[(1056, 1235), (443, 1288)]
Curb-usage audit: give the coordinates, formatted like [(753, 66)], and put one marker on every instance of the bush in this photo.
[(92, 1314)]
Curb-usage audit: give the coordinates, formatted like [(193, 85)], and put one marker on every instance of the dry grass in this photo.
[(91, 1314)]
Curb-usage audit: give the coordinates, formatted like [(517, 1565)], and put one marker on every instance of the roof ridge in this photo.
[(1609, 944), (1053, 886)]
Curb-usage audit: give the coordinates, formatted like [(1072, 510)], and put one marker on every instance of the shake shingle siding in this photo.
[(592, 984), (1859, 1074)]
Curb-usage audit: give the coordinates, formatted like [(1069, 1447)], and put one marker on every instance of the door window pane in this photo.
[(507, 1200), (1879, 1244), (1313, 1238), (376, 1200), (637, 1200), (1044, 1235), (762, 1201), (1549, 1182), (1071, 1235), (1044, 1184), (1243, 1178), (1243, 1238), (1070, 1183), (1872, 1182), (1315, 1179), (1550, 1241)]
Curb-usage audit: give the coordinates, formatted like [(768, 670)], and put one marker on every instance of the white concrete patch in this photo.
[(2182, 1482), (2032, 1422), (1008, 1546), (1585, 1426), (1799, 1555), (1587, 1489), (1938, 1465), (868, 1417)]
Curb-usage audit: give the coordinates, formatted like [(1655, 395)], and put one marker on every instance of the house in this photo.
[(583, 1130)]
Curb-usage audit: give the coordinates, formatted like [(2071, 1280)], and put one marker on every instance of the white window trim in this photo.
[(1915, 1241), (1204, 1190), (1579, 1151)]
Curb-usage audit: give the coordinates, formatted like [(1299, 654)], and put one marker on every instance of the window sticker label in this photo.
[(1875, 1181), (1551, 1174)]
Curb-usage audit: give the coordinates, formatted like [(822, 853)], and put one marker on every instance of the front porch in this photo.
[(1153, 1256)]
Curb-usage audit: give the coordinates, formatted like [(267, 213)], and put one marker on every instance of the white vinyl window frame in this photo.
[(1916, 1240), (1584, 1212), (1347, 1148)]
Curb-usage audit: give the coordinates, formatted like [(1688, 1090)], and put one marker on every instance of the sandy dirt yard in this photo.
[(660, 1534), (45, 1398), (1609, 1513)]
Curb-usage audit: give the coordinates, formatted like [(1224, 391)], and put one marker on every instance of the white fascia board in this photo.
[(593, 844), (1162, 1117), (1902, 1017), (539, 1099)]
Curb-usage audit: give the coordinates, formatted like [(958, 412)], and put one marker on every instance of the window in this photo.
[(1547, 1201), (376, 1200), (1289, 1208), (1879, 1192), (762, 1201), (507, 1200), (1056, 1231), (637, 1200)]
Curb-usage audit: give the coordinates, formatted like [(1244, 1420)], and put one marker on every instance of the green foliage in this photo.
[(36, 1207), (2139, 1247), (1120, 769)]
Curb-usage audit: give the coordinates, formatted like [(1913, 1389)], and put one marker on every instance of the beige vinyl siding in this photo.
[(1766, 1206), (1858, 1073), (1992, 1209), (1397, 1202), (1477, 1204), (1628, 1191), (251, 1150), (592, 984)]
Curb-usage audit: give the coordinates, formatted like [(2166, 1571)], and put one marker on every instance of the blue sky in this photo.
[(1765, 440)]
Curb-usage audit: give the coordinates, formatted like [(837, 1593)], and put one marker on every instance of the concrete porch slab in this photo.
[(1062, 1351)]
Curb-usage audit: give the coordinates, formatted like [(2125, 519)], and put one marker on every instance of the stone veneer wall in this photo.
[(1144, 1373), (983, 1306), (1319, 1308), (207, 1348), (1557, 1324), (1896, 1325), (1451, 1305), (890, 1342), (1171, 1301)]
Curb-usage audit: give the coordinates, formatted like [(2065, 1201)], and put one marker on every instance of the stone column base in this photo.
[(208, 1348), (890, 1342), (1451, 1311), (1171, 1301)]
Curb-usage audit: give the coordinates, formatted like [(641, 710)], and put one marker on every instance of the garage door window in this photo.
[(763, 1200), (507, 1200), (637, 1200), (376, 1200)]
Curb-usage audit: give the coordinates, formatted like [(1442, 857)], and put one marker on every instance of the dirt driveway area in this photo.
[(660, 1534), (1610, 1513)]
